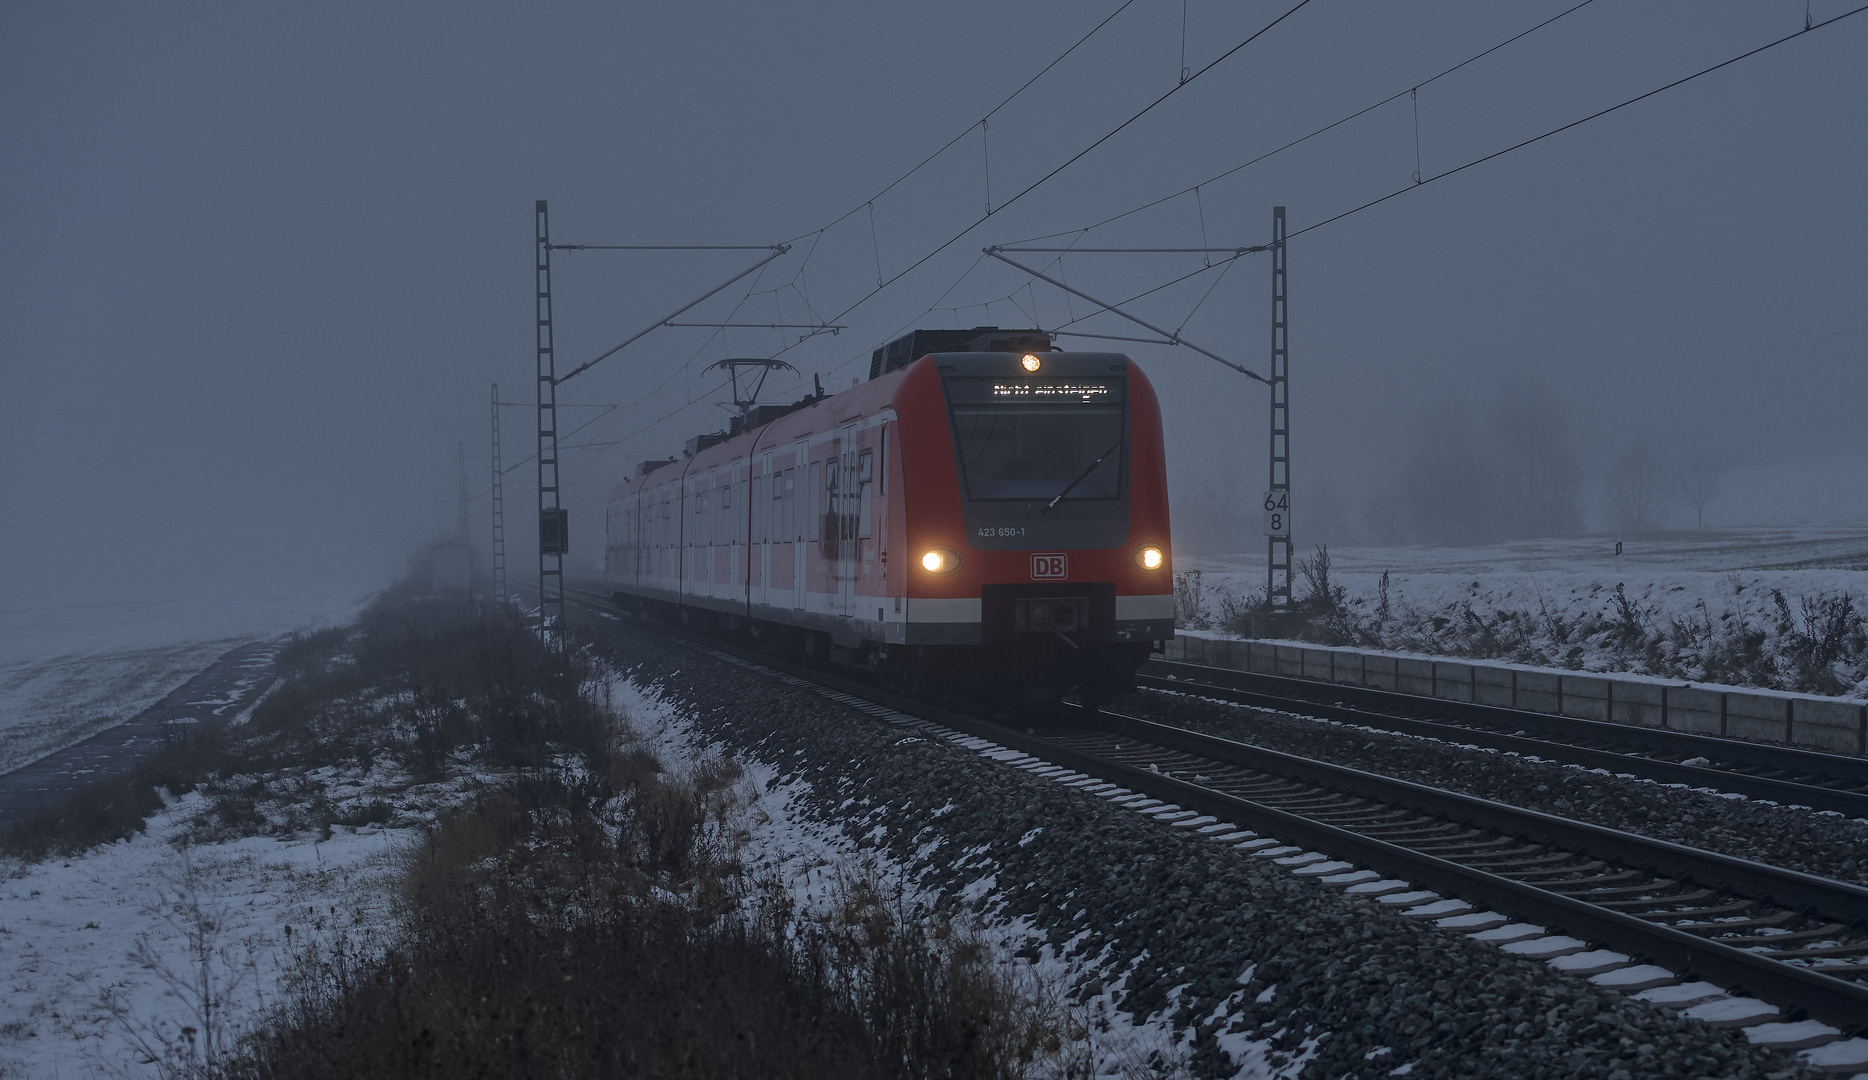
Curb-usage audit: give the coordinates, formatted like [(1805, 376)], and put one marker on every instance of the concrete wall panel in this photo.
[(1539, 691), (1754, 716), (1414, 676), (1379, 672), (1492, 685), (1636, 702), (1452, 681), (1827, 725), (1585, 698), (1355, 669), (1690, 709)]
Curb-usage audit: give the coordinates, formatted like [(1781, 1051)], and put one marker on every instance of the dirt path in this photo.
[(216, 695)]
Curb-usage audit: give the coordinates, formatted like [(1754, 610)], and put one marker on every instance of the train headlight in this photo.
[(1030, 362), (940, 561), (1149, 557)]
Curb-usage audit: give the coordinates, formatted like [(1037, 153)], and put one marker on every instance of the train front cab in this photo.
[(1037, 522)]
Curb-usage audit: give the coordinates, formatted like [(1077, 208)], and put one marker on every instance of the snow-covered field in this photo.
[(1711, 583), (103, 957), (67, 673)]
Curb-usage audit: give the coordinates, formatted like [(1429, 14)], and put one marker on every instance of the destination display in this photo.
[(1059, 391)]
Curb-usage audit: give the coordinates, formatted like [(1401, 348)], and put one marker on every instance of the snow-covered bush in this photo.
[(1811, 642)]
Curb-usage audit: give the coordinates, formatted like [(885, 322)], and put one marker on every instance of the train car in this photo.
[(985, 509)]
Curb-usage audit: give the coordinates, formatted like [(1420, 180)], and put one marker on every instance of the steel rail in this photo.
[(1382, 708), (1790, 888), (1795, 989), (1823, 997)]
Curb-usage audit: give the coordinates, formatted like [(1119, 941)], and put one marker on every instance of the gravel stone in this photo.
[(1177, 925)]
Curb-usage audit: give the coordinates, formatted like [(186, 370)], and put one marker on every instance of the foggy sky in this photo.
[(259, 264)]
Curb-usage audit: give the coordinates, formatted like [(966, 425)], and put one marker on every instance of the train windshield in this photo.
[(1049, 441)]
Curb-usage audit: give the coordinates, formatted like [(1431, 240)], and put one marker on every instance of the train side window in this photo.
[(865, 484)]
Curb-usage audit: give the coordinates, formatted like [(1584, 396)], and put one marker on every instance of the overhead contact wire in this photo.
[(948, 145), (817, 234), (1476, 161), (1112, 133), (1319, 131), (1574, 123)]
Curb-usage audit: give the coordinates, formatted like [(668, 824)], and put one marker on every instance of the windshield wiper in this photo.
[(1082, 476)]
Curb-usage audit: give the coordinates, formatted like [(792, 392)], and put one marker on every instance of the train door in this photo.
[(797, 495), (633, 531), (719, 563), (763, 493), (848, 489), (639, 557), (862, 520), (733, 513), (692, 545), (816, 511), (703, 537)]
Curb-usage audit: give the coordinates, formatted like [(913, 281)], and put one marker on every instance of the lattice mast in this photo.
[(551, 513), (461, 534), (1278, 540), (499, 512)]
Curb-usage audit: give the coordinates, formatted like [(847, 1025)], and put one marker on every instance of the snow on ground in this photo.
[(1669, 577), (1676, 569), (67, 673), (816, 863), (101, 956)]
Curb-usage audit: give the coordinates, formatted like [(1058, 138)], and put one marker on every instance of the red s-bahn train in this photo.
[(985, 508)]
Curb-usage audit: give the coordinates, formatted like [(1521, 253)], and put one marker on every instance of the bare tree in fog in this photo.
[(1211, 503), (1637, 488), (1533, 453), (1443, 495), (1702, 479), (1508, 473)]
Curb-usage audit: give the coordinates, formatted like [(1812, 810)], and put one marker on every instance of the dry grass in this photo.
[(562, 927), (1818, 644), (590, 916)]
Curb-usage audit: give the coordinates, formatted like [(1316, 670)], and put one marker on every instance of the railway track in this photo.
[(1781, 774), (1795, 940), (1796, 944)]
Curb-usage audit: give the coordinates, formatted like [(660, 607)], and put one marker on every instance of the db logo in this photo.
[(1049, 565)]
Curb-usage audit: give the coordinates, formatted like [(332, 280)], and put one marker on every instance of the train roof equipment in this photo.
[(908, 348)]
